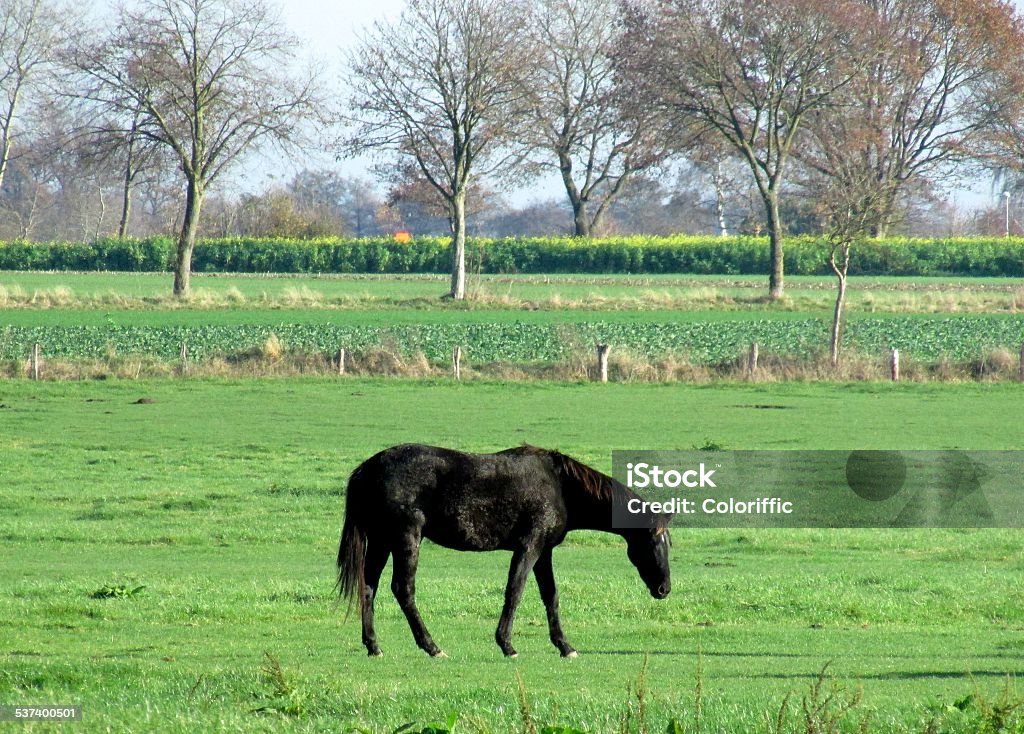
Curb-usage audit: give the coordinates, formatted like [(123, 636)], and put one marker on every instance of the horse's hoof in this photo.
[(439, 654), (571, 654), (375, 654), (514, 655)]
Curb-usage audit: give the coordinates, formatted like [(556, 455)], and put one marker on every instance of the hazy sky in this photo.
[(332, 24), (328, 26), (325, 28)]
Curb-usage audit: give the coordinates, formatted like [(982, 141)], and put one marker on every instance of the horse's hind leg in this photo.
[(376, 558), (403, 584)]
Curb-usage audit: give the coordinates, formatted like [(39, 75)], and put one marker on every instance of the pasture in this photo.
[(167, 547), (167, 557)]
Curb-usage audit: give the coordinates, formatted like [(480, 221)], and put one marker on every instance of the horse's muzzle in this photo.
[(661, 591)]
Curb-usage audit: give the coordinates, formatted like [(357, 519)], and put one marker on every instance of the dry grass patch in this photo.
[(996, 364)]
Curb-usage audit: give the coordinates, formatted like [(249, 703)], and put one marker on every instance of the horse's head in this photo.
[(647, 549)]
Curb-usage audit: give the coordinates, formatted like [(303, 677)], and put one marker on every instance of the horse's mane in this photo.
[(593, 483), (590, 480)]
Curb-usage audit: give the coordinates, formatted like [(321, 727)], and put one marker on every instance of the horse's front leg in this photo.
[(403, 585), (545, 573), (522, 564)]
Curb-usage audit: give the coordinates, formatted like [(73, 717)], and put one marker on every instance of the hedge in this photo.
[(639, 255)]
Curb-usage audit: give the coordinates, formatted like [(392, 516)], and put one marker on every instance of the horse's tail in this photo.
[(352, 548)]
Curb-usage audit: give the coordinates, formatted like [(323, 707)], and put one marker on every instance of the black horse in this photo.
[(522, 500)]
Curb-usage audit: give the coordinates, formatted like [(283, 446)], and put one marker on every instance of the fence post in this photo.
[(457, 362), (35, 361), (1020, 366), (602, 361), (752, 360), (894, 365), (183, 357), (341, 361)]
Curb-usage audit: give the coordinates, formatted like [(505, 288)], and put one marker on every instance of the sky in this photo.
[(326, 27), (332, 24)]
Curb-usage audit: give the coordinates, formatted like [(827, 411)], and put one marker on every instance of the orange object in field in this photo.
[(403, 237)]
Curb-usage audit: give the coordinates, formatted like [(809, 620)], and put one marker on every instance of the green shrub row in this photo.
[(147, 255), (648, 255)]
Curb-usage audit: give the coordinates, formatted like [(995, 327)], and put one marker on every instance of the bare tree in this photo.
[(729, 177), (127, 154), (1003, 156), (747, 71), (852, 206), (942, 74), (441, 88), (52, 191), (211, 80), (350, 204), (27, 196), (31, 32), (136, 155), (580, 125)]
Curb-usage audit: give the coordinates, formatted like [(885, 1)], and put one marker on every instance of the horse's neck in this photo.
[(592, 513)]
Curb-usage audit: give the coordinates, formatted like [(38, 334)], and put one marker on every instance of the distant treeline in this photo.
[(642, 255)]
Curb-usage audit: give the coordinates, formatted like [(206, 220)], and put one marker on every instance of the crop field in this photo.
[(706, 320), (167, 547), (700, 341)]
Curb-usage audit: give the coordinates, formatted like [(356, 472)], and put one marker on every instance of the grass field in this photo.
[(167, 546), (223, 499), (526, 292)]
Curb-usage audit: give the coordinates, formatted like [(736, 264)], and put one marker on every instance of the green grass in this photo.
[(419, 293), (223, 499)]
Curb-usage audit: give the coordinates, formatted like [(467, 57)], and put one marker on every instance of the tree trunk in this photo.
[(126, 207), (775, 285), (5, 156), (837, 320), (723, 231), (187, 238), (103, 214), (8, 127), (129, 178), (840, 269), (886, 214), (458, 291), (581, 223)]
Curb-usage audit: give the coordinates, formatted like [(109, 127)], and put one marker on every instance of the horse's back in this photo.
[(460, 500)]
